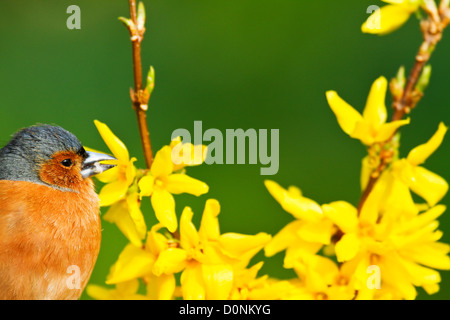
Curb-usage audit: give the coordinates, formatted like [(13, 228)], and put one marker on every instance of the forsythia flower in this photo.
[(247, 286), (421, 181), (403, 245), (404, 248), (390, 17), (304, 236), (119, 178), (164, 179), (125, 206), (123, 291), (213, 259), (212, 265), (371, 126), (128, 217)]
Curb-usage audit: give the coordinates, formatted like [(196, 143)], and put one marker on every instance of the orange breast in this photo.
[(49, 240)]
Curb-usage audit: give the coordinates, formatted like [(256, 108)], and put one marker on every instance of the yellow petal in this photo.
[(347, 247), (320, 232), (364, 132), (175, 141), (299, 207), (163, 204), (431, 288), (133, 263), (189, 237), (113, 192), (237, 245), (346, 115), (343, 214), (136, 214), (170, 261), (218, 281), (320, 273), (186, 154), (162, 287), (212, 253), (192, 283), (162, 164), (181, 183), (433, 255), (98, 292), (209, 226), (419, 154), (366, 171), (421, 275), (394, 274), (118, 214), (287, 236), (128, 287), (391, 17), (375, 111), (370, 210), (387, 130), (114, 144), (156, 242), (109, 175), (428, 185), (422, 219), (130, 171), (399, 199), (146, 186)]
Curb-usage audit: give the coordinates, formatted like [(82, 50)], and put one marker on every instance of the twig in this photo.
[(139, 96), (432, 29)]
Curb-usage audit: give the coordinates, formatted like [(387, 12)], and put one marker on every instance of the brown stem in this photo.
[(367, 190), (139, 96), (432, 29)]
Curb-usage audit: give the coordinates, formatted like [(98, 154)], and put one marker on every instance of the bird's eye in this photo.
[(66, 162)]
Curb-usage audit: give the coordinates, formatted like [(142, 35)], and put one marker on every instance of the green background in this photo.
[(231, 64)]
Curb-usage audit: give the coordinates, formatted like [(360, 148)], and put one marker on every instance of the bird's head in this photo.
[(50, 155)]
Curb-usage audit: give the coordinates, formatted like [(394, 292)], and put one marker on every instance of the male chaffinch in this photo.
[(49, 214)]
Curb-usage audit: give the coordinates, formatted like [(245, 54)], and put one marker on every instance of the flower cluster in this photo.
[(211, 265), (384, 248), (335, 248)]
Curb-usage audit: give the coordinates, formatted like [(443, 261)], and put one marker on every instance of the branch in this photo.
[(405, 100), (139, 96)]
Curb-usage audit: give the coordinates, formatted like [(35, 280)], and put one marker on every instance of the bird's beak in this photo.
[(92, 166)]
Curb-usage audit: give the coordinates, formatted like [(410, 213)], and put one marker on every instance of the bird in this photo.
[(50, 229)]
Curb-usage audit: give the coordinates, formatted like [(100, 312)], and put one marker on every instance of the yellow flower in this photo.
[(248, 286), (210, 259), (390, 17), (139, 262), (187, 154), (371, 126), (128, 217), (405, 248), (119, 178), (421, 181), (321, 279), (123, 291), (306, 235), (391, 232), (162, 181)]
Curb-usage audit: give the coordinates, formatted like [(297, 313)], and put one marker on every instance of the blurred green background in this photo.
[(232, 64)]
